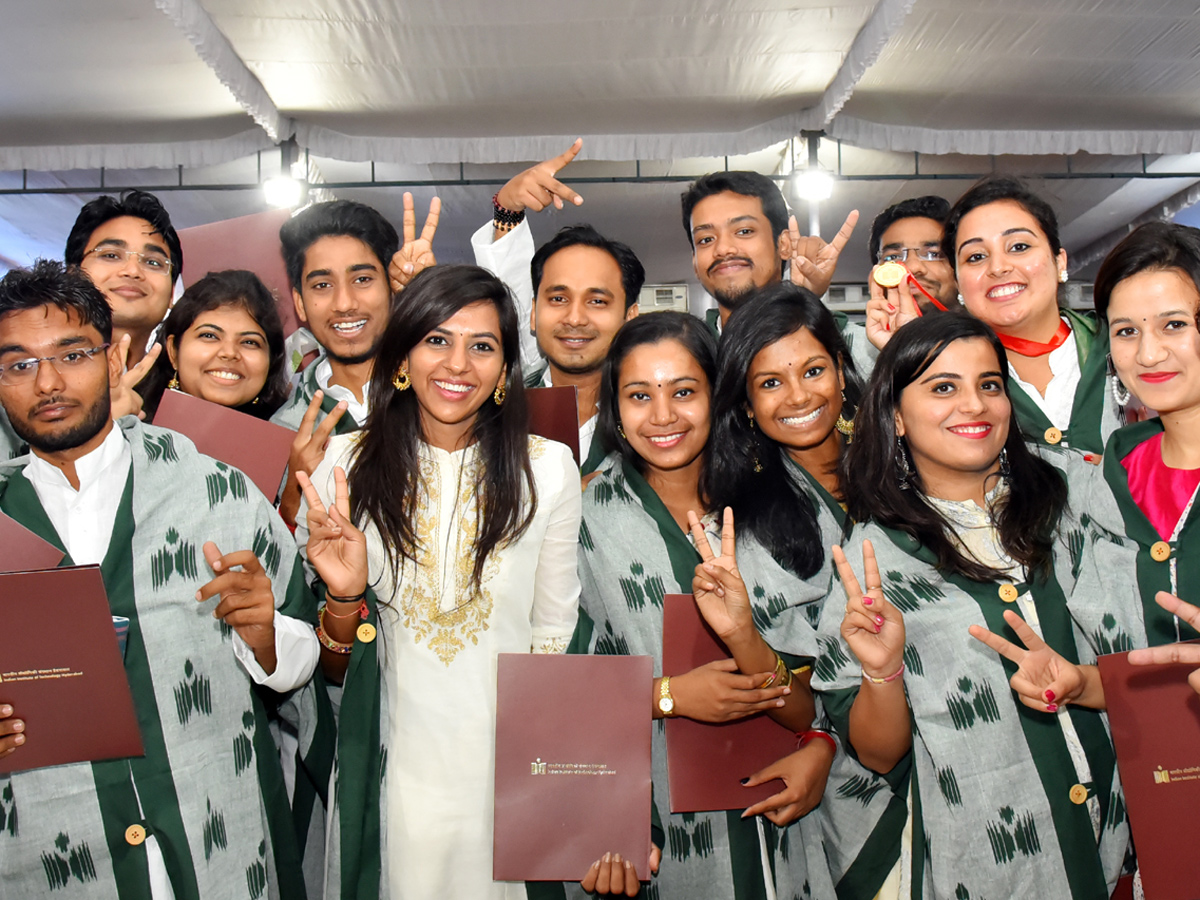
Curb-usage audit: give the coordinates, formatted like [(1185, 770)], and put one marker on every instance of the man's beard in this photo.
[(55, 442), (366, 356), (732, 299)]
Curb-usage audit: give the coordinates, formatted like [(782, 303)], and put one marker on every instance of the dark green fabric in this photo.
[(1087, 410), (1154, 576)]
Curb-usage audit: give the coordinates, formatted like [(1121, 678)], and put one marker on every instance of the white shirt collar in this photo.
[(89, 468), (357, 409)]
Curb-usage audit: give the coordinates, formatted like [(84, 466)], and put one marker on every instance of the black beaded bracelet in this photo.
[(505, 219)]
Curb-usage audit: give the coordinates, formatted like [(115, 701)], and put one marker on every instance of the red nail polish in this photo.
[(879, 620), (1049, 696), (867, 601), (1051, 707)]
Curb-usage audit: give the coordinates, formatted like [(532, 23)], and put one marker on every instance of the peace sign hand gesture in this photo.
[(1044, 679), (415, 254), (718, 586), (536, 187), (872, 627), (812, 261), (336, 549)]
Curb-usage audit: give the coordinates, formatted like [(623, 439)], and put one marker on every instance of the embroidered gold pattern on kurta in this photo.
[(447, 630)]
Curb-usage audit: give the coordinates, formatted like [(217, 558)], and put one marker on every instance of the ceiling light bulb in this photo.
[(282, 191), (813, 184)]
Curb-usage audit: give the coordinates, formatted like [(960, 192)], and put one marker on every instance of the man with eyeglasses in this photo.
[(910, 233), (130, 250), (206, 572)]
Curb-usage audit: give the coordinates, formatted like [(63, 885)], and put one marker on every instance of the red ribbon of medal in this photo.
[(1036, 348), (890, 274)]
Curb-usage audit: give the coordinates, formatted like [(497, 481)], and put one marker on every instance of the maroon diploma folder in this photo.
[(554, 415), (23, 550), (64, 679), (1155, 719), (257, 447), (572, 764), (706, 763)]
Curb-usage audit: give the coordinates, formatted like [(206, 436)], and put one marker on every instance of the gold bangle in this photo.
[(778, 674), (326, 641)]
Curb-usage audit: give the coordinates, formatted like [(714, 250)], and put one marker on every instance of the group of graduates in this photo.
[(914, 536)]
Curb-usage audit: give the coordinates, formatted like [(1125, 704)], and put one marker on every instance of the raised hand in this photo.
[(804, 774), (125, 400), (12, 731), (888, 309), (872, 627), (247, 603), (416, 253), (1044, 679), (308, 449), (1173, 653), (717, 585), (336, 549), (812, 261), (536, 187), (716, 692)]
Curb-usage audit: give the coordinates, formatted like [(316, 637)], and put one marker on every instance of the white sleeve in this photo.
[(509, 259), (296, 655), (556, 581)]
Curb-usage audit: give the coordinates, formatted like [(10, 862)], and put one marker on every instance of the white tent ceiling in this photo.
[(142, 87)]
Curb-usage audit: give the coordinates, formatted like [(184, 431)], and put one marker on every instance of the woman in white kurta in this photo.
[(467, 543)]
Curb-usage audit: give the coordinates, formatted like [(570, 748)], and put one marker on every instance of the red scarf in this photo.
[(1036, 348)]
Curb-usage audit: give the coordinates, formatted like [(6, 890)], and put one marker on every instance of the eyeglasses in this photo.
[(117, 256), (24, 371), (930, 254)]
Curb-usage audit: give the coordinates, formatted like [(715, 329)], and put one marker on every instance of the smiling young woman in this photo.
[(223, 343), (958, 523), (635, 546), (1009, 262), (454, 533)]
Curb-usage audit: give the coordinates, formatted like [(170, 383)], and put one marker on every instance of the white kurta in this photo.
[(438, 660)]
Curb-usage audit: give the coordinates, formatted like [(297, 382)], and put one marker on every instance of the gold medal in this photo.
[(890, 274)]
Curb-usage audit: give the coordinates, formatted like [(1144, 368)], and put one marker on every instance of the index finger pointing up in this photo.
[(408, 227), (728, 541), (567, 155), (699, 538), (431, 220), (846, 573)]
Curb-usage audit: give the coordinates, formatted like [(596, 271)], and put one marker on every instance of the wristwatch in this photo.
[(666, 703)]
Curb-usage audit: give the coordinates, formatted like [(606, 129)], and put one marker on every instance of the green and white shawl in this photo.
[(1005, 801), (1116, 574), (210, 784), (1094, 413), (631, 554), (291, 414)]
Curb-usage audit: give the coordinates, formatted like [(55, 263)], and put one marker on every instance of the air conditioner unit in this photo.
[(663, 297)]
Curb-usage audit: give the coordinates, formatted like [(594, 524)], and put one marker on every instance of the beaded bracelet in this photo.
[(888, 680), (330, 644), (505, 219), (804, 737)]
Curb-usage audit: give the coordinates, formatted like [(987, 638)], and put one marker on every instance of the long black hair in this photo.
[(216, 290), (651, 328), (1037, 495), (768, 504), (385, 480)]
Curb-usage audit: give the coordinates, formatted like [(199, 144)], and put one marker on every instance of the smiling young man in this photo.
[(156, 516), (581, 287), (336, 255), (742, 239), (130, 250)]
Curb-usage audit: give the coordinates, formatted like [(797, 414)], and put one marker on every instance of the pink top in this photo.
[(1160, 492)]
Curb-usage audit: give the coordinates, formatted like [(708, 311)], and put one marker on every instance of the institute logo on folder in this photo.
[(1154, 716), (67, 682), (259, 448), (554, 415), (572, 764), (706, 762)]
